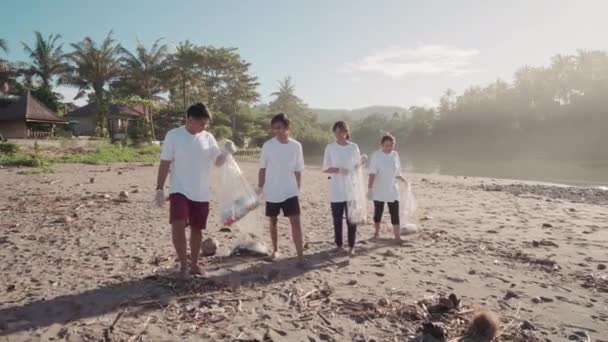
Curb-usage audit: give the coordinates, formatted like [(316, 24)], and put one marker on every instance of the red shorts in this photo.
[(183, 209)]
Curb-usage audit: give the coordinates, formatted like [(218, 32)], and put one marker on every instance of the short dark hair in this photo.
[(387, 137), (280, 118), (343, 126), (198, 111)]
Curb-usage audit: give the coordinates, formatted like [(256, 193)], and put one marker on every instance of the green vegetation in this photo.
[(12, 155), (37, 171), (105, 154), (557, 112), (47, 59), (7, 148), (221, 132), (3, 45), (23, 159), (114, 153), (216, 76), (554, 112)]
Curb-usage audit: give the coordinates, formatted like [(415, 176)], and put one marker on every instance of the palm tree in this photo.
[(94, 67), (3, 64), (47, 58), (286, 88), (144, 72), (183, 68), (286, 100), (3, 45), (6, 75), (7, 72)]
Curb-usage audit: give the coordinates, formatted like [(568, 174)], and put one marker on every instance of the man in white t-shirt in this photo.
[(279, 178), (189, 151)]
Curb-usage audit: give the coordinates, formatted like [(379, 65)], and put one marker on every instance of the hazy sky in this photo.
[(341, 54)]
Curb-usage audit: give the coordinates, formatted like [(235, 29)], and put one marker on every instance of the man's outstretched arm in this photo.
[(163, 172), (261, 178)]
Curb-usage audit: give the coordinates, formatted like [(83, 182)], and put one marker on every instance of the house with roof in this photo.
[(23, 117), (119, 118)]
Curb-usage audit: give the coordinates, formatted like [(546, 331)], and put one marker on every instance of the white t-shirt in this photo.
[(191, 157), (386, 167), (281, 161), (344, 157)]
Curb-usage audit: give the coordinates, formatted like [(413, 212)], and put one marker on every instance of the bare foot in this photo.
[(182, 272), (195, 270), (301, 263), (272, 257), (338, 250)]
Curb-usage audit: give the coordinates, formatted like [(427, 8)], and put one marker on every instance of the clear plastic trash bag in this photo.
[(249, 245), (356, 193), (236, 198), (407, 210), (250, 232)]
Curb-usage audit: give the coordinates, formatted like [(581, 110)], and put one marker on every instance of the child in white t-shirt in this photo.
[(279, 178), (341, 158), (384, 171)]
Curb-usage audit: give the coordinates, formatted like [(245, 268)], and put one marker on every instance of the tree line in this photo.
[(163, 82), (555, 112)]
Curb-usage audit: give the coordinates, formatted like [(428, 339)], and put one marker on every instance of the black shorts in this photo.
[(393, 209), (290, 207)]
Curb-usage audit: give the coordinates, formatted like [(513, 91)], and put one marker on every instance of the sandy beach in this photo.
[(80, 264)]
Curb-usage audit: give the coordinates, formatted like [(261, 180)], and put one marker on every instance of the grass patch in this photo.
[(37, 171), (36, 162), (107, 154), (7, 148), (39, 163), (23, 159)]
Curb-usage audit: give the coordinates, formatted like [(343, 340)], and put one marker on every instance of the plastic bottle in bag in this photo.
[(238, 209), (236, 198)]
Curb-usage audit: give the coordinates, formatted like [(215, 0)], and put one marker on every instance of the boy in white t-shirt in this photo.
[(384, 171), (189, 151), (279, 178)]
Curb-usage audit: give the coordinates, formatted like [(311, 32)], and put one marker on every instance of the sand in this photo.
[(81, 264)]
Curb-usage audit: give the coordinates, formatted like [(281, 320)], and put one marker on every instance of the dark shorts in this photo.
[(290, 207), (183, 209), (393, 209)]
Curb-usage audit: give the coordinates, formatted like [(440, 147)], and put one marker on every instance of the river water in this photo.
[(588, 174)]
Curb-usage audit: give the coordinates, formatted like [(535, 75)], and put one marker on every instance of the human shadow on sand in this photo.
[(137, 294)]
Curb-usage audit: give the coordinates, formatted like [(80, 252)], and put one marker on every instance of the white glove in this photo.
[(364, 159), (344, 172), (229, 146), (160, 198)]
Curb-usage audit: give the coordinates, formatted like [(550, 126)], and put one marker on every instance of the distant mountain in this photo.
[(327, 115)]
